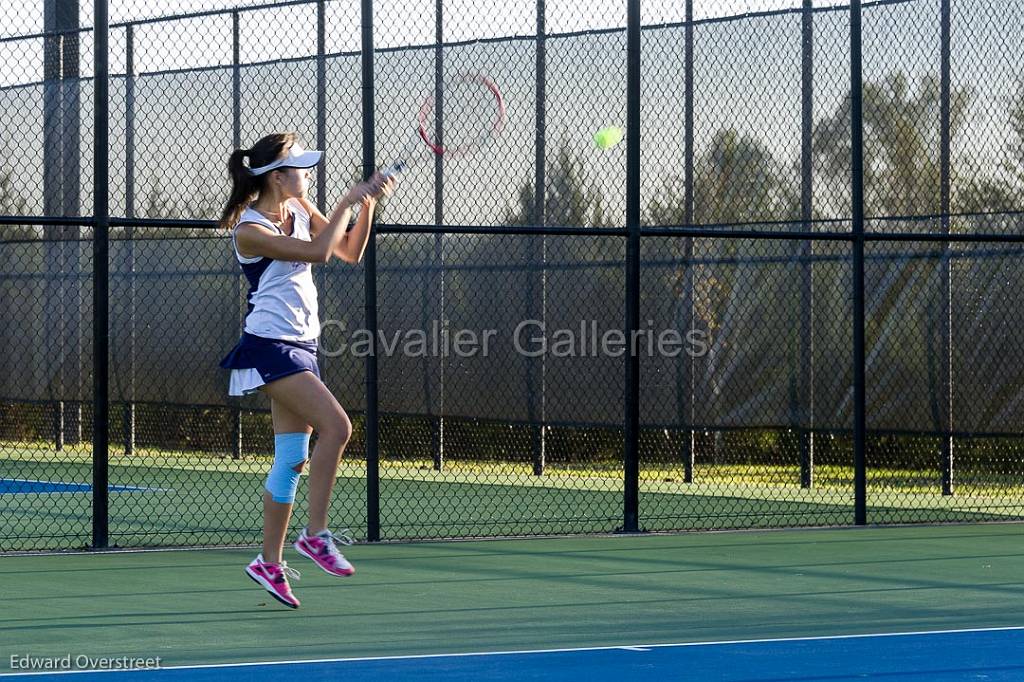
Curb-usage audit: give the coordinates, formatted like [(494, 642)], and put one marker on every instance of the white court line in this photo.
[(629, 647)]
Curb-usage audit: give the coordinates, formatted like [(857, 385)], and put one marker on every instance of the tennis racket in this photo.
[(469, 115)]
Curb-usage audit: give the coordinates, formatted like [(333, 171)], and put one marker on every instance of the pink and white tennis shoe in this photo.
[(274, 579), (322, 550)]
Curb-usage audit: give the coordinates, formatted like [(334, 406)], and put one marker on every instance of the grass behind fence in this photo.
[(193, 497)]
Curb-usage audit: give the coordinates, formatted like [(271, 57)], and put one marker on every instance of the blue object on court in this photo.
[(17, 486)]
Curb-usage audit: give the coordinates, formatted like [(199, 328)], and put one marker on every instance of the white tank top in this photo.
[(282, 295)]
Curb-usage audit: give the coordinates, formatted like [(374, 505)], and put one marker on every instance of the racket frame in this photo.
[(422, 137)]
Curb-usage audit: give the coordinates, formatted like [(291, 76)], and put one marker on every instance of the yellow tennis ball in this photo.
[(608, 137)]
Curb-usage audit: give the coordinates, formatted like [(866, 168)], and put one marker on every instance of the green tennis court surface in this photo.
[(196, 607)]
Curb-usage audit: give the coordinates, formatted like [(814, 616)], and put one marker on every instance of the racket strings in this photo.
[(466, 112)]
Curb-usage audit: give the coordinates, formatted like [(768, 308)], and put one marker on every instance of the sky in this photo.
[(397, 22)]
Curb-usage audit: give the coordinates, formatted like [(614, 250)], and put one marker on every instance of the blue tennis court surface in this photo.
[(995, 655), (18, 486)]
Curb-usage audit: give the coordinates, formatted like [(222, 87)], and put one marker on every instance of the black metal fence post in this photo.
[(236, 142), (686, 365), (630, 522), (52, 74), (71, 173), (944, 423), (321, 106), (70, 180), (537, 394), (369, 164), (437, 425), (61, 189), (236, 81), (857, 213), (101, 280), (320, 275), (804, 412), (129, 209)]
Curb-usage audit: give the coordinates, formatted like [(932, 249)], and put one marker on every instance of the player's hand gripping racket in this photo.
[(469, 113)]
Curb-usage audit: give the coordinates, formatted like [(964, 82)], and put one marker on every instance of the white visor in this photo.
[(297, 157)]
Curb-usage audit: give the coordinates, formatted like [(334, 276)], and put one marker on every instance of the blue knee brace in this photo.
[(290, 450)]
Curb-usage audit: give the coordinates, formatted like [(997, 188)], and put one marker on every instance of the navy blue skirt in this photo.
[(272, 358)]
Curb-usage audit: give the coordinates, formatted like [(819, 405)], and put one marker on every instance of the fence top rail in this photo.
[(722, 231), (185, 16)]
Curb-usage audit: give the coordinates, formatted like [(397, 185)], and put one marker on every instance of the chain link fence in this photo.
[(819, 268)]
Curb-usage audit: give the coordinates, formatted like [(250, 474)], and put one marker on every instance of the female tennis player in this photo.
[(277, 234)]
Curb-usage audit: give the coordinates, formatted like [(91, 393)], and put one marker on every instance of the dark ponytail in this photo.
[(244, 186)]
